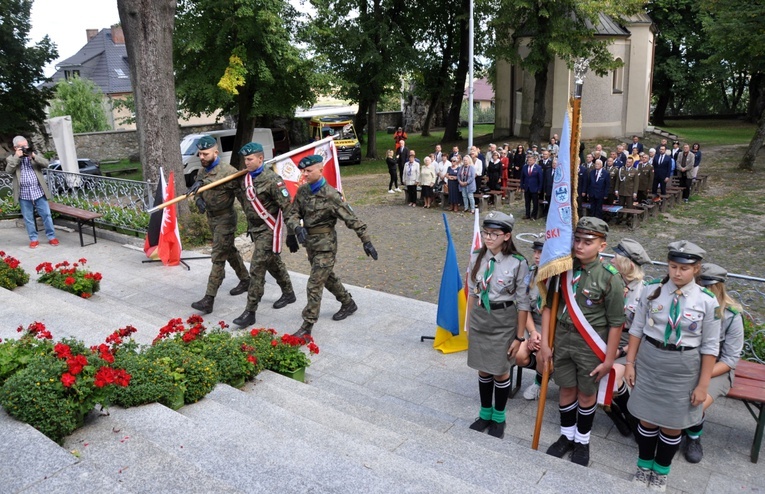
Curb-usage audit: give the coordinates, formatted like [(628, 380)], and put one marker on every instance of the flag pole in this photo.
[(580, 68), (238, 174)]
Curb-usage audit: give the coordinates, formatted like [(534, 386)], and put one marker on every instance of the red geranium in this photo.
[(67, 380)]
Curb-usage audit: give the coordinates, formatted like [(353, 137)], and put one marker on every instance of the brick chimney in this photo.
[(90, 33), (118, 36)]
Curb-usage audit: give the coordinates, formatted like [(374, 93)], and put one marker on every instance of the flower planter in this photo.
[(297, 375), (237, 383), (176, 400)]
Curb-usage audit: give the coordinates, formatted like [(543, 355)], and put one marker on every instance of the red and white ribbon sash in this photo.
[(591, 337), (275, 224)]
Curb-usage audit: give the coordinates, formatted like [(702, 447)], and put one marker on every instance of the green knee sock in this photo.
[(498, 416), (486, 413), (645, 464)]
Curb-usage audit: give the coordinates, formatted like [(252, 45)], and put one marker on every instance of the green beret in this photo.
[(711, 274), (499, 221), (251, 148), (685, 252), (310, 160), (206, 142), (591, 227), (633, 251)]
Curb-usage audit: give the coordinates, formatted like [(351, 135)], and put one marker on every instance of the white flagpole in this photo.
[(470, 83)]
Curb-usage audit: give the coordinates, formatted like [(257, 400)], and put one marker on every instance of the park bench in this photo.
[(634, 216), (80, 216), (497, 194), (513, 187), (749, 387)]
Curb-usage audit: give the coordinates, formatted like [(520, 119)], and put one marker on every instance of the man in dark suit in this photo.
[(662, 167), (598, 187), (531, 184), (546, 164), (635, 144), (402, 158), (584, 177)]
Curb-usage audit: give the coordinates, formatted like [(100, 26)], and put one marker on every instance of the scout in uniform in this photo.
[(497, 310), (265, 199), (218, 203), (319, 205), (629, 261), (526, 356), (592, 305), (674, 341), (713, 278)]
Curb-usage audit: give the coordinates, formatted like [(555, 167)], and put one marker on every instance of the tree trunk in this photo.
[(443, 75), (360, 119), (750, 156), (756, 97), (537, 124), (453, 120), (661, 108), (148, 27), (245, 123), (429, 116), (372, 131)]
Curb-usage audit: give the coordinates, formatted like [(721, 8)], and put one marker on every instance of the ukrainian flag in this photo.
[(450, 318)]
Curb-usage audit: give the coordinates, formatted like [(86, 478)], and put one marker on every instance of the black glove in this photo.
[(370, 250), (201, 205), (194, 188), (292, 243), (301, 234)]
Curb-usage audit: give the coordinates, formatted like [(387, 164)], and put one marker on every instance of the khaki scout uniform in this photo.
[(221, 217), (600, 295), (269, 187), (320, 212), (628, 179)]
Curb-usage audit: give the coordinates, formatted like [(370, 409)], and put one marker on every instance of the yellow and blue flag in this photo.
[(450, 317)]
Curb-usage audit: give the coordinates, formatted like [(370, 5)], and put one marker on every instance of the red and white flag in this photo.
[(169, 245), (286, 166)]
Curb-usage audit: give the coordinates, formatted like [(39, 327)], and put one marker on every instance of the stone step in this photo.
[(472, 456), (323, 442)]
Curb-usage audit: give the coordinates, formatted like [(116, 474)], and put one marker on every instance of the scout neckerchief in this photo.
[(275, 224), (485, 281), (673, 321), (591, 337)]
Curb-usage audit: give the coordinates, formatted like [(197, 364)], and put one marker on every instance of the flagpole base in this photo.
[(182, 260), (423, 338)]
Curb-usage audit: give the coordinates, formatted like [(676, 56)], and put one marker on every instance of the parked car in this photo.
[(87, 166)]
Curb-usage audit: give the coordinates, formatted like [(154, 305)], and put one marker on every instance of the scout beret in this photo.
[(310, 160), (251, 148), (206, 142), (591, 227), (685, 252), (538, 244), (500, 221), (633, 251), (711, 274)]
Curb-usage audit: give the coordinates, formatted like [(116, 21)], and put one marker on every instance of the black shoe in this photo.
[(285, 300), (246, 319), (693, 450), (581, 454), (480, 424), (345, 311), (242, 287), (497, 429), (560, 447), (305, 330), (205, 305), (615, 414)]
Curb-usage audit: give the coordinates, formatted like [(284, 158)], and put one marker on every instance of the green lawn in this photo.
[(712, 132), (123, 165)]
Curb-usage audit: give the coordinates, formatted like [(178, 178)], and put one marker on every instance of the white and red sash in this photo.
[(591, 337), (275, 224)]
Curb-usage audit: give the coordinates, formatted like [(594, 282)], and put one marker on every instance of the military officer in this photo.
[(613, 178), (218, 203), (646, 177), (265, 200), (319, 205), (597, 291), (627, 188)]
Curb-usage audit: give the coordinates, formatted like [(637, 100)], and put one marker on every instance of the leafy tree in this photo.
[(734, 28), (540, 30), (241, 57), (22, 103), (82, 100)]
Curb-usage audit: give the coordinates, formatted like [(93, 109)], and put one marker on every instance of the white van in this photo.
[(225, 138)]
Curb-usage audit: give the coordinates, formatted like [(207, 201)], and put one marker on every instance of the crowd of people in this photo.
[(625, 176), (672, 343)]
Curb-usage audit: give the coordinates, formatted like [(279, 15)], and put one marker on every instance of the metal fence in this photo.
[(123, 203)]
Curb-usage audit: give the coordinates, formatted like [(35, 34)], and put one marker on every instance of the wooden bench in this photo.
[(81, 216), (634, 218), (480, 200), (497, 194), (650, 209), (512, 189), (703, 180), (749, 387), (120, 171)]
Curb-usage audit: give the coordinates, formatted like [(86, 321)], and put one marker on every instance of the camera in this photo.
[(27, 151)]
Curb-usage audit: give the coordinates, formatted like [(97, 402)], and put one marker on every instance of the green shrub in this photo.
[(199, 374), (194, 229), (233, 362), (754, 340), (152, 381), (11, 272)]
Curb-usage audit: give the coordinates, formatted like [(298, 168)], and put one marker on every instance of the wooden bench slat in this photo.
[(750, 370), (750, 391), (74, 212)]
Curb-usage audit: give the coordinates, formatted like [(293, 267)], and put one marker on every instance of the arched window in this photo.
[(618, 78)]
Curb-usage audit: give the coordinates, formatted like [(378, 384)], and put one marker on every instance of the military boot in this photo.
[(247, 318), (242, 287), (305, 330), (284, 300), (205, 305), (345, 311)]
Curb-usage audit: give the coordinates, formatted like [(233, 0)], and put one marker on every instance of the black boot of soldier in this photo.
[(345, 311), (305, 330), (205, 305), (247, 318), (242, 287), (285, 300)]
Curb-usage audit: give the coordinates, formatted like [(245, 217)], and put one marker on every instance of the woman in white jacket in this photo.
[(411, 179)]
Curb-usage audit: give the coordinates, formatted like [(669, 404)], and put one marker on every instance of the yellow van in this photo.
[(341, 128)]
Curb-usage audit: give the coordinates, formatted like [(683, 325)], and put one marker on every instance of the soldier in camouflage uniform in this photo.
[(598, 291), (319, 205), (218, 203), (264, 200)]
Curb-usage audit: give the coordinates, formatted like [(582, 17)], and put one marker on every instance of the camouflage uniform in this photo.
[(320, 212), (273, 195), (221, 217), (627, 187)]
